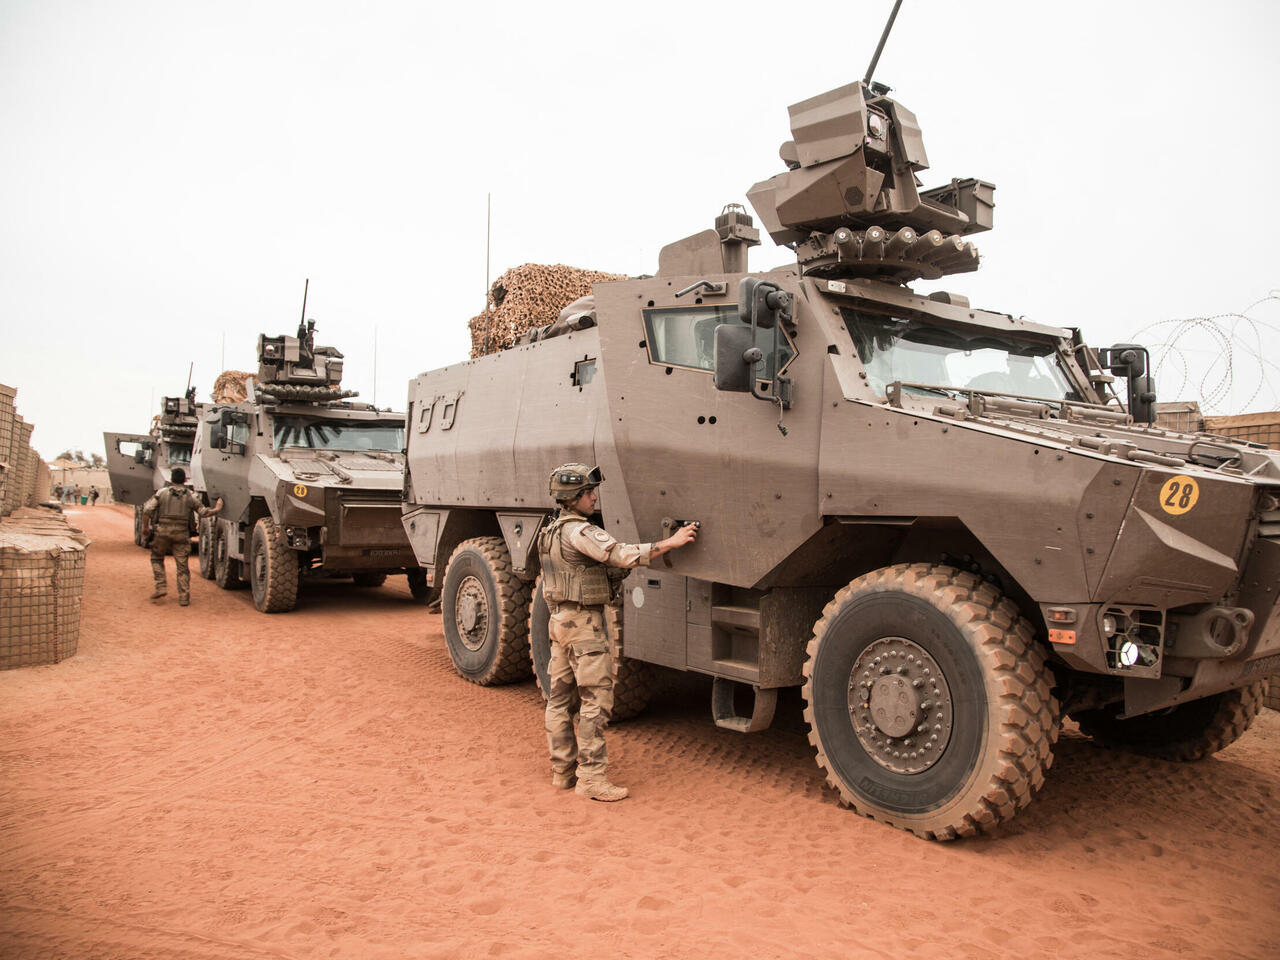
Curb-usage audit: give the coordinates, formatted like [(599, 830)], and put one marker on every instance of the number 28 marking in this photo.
[(1179, 495)]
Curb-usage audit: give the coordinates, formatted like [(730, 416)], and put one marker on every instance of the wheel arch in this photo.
[(847, 547)]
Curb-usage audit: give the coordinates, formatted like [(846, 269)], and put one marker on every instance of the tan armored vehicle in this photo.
[(932, 518), (140, 464), (310, 481)]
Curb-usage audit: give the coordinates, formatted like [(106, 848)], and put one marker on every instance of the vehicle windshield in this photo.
[(179, 453), (916, 350), (310, 433)]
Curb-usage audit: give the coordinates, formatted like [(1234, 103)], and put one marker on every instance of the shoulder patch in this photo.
[(602, 536)]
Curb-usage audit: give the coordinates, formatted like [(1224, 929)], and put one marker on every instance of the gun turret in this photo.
[(294, 368), (850, 202)]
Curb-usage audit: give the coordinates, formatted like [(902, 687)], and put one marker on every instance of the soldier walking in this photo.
[(166, 529), (576, 559)]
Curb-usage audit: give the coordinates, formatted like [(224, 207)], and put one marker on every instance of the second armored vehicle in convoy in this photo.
[(310, 480), (927, 516), (140, 464)]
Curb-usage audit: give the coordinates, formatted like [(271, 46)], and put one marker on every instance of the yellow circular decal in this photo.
[(299, 490), (1179, 495)]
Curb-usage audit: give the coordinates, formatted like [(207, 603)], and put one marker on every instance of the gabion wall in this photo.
[(41, 555), (42, 561)]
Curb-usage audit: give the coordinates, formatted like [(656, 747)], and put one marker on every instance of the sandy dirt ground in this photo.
[(211, 782)]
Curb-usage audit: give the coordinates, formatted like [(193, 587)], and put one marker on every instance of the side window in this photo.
[(135, 451), (685, 337)]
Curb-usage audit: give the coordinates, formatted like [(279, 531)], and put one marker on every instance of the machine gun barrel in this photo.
[(875, 58)]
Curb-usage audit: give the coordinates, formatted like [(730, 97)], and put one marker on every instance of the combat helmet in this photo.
[(570, 480)]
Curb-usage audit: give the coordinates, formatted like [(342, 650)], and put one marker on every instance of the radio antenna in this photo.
[(880, 46), (488, 232)]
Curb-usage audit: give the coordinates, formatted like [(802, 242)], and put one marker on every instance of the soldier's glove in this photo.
[(616, 575)]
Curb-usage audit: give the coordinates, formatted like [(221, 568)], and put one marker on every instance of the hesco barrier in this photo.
[(1258, 427), (42, 560), (8, 475)]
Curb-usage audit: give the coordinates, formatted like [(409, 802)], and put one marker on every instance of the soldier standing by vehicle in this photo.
[(576, 582), (166, 520)]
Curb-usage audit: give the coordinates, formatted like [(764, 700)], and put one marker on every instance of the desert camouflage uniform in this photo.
[(170, 511), (580, 657)]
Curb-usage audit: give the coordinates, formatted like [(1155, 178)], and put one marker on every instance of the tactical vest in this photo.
[(171, 508), (566, 580)]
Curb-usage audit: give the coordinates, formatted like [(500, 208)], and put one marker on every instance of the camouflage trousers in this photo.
[(581, 663), (180, 547)]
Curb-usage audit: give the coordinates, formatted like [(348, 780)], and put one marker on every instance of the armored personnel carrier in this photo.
[(140, 464), (939, 522), (310, 480)]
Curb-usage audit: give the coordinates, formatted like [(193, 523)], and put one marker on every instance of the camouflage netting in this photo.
[(231, 386), (41, 587), (527, 297)]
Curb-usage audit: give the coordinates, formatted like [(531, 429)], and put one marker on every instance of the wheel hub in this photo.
[(472, 613), (900, 705)]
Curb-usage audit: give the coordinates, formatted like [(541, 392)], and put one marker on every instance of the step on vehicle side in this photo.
[(928, 517), (310, 480), (140, 464)]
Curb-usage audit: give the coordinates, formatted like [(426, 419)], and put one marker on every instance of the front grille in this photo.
[(370, 523)]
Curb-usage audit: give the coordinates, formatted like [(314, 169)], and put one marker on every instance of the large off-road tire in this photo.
[(1187, 732), (485, 608), (137, 526), (634, 681), (928, 701), (422, 591), (273, 569), (369, 579), (226, 568), (205, 548)]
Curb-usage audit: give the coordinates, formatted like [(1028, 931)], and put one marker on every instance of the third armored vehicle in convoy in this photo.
[(931, 518), (310, 480), (140, 464)]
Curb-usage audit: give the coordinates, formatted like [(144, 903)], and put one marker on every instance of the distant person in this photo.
[(93, 495), (166, 528), (575, 556), (57, 492)]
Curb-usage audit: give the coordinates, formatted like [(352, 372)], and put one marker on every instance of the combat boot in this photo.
[(184, 601), (601, 790), (159, 593), (564, 781)]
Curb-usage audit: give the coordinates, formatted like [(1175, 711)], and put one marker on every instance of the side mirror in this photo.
[(736, 355), (1142, 399), (140, 455), (1131, 361), (762, 303)]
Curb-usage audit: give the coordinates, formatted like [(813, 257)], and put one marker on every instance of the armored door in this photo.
[(131, 466)]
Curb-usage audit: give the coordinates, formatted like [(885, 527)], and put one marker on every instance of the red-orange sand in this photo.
[(211, 782)]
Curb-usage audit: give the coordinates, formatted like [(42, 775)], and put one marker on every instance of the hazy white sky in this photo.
[(170, 171)]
